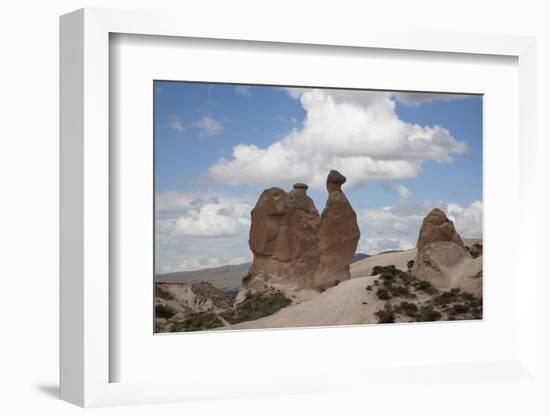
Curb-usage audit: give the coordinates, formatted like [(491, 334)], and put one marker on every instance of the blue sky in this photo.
[(217, 146)]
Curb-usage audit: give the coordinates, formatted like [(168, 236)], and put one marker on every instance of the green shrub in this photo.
[(428, 314), (164, 311), (383, 294), (405, 277), (400, 291), (197, 322), (461, 308), (446, 297), (384, 269), (257, 306), (468, 296), (163, 293), (475, 250), (410, 264), (425, 286), (386, 315), (409, 309)]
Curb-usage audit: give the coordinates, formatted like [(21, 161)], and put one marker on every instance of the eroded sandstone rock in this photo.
[(294, 246), (338, 235), (437, 227), (442, 256)]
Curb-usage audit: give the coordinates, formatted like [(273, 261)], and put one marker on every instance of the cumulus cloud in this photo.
[(208, 126), (214, 220), (176, 124), (356, 132), (403, 192), (397, 227), (195, 231), (243, 90)]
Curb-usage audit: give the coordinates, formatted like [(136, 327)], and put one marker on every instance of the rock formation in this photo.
[(295, 247), (338, 234), (441, 253), (437, 227)]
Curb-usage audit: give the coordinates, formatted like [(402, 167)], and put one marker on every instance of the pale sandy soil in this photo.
[(339, 305), (350, 303), (364, 267)]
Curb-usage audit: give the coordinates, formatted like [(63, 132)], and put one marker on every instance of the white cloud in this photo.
[(357, 133), (243, 90), (195, 231), (208, 126), (403, 192), (214, 220), (397, 227), (176, 124), (467, 220)]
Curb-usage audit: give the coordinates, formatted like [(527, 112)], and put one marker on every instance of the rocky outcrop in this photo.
[(338, 235), (174, 302), (294, 246), (283, 237), (442, 257), (437, 227)]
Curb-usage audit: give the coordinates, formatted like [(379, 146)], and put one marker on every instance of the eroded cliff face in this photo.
[(294, 246)]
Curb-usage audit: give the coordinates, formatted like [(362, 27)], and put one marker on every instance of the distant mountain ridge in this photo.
[(223, 277)]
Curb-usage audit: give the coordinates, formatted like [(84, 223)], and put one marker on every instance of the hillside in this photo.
[(224, 277)]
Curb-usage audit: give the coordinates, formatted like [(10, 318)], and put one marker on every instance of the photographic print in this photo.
[(286, 207)]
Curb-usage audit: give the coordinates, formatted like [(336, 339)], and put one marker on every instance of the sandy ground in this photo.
[(349, 303), (342, 304), (364, 267)]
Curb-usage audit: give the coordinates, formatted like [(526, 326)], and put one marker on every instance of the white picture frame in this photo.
[(85, 353)]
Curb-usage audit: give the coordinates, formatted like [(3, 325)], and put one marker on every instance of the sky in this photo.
[(218, 146)]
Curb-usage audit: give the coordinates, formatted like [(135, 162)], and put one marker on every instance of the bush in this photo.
[(475, 250), (384, 269), (468, 296), (383, 294), (400, 291), (257, 306), (164, 311), (409, 309), (428, 314), (446, 297), (386, 315), (369, 288), (425, 286), (410, 264), (163, 293), (198, 322), (405, 277), (461, 308)]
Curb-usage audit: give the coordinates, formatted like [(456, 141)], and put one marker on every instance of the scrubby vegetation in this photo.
[(386, 315), (162, 292), (394, 285), (256, 306), (198, 322), (475, 250), (164, 311)]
